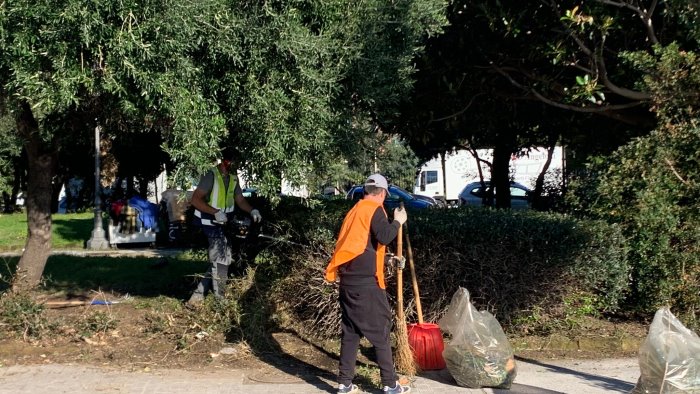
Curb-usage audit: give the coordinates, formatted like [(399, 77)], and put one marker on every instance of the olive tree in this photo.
[(281, 82), (108, 59)]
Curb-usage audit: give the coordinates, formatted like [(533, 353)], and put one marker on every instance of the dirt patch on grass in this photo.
[(163, 333), (136, 336)]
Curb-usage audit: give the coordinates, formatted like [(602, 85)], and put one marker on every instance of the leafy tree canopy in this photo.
[(278, 81), (513, 67)]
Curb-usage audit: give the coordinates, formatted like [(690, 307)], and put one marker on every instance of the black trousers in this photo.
[(365, 312)]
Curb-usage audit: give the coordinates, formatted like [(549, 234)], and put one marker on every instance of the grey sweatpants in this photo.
[(219, 251)]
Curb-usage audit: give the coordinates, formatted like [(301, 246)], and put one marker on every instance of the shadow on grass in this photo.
[(72, 230), (137, 276)]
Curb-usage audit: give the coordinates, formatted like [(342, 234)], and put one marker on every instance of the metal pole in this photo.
[(98, 240)]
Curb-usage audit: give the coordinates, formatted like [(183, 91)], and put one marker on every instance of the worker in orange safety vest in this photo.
[(358, 263)]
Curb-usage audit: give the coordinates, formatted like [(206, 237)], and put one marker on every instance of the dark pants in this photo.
[(365, 312)]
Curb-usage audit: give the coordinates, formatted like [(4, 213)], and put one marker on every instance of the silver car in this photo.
[(475, 194)]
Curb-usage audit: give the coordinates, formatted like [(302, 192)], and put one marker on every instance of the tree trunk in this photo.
[(500, 175), (7, 203), (143, 188), (56, 191), (537, 200), (17, 181), (130, 188), (487, 198), (38, 202), (444, 176)]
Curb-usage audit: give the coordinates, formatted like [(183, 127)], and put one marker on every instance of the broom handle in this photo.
[(399, 275), (409, 252)]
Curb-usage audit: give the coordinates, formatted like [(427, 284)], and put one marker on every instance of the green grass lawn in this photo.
[(138, 276), (69, 231)]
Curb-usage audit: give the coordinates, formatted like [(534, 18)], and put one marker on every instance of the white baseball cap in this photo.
[(377, 180)]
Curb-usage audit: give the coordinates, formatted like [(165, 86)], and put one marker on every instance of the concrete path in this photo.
[(534, 377)]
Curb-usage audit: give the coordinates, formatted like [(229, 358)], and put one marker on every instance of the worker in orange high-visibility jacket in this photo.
[(358, 262)]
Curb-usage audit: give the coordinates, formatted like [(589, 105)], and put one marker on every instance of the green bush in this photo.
[(21, 316), (643, 189), (650, 188), (96, 322), (513, 263)]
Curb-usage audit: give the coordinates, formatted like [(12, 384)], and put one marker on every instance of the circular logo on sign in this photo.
[(460, 164)]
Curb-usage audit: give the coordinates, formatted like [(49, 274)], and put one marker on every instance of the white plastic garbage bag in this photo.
[(669, 358), (479, 354)]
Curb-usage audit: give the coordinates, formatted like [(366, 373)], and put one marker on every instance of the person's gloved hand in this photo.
[(400, 215), (220, 216), (255, 214), (399, 262)]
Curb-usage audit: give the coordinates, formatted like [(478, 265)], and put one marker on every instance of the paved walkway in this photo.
[(115, 252), (547, 377)]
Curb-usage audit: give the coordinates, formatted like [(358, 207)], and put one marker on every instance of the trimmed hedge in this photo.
[(513, 263), (517, 262)]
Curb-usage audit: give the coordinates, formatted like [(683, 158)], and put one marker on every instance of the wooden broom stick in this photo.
[(403, 358), (414, 279)]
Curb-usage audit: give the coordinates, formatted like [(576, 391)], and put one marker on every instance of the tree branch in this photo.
[(597, 57), (624, 92), (673, 169), (587, 51), (645, 15), (579, 67), (458, 112), (557, 104)]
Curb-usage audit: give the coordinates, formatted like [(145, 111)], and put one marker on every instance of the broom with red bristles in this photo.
[(403, 356), (424, 339)]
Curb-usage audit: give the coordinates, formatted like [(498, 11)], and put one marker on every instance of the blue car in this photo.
[(396, 195)]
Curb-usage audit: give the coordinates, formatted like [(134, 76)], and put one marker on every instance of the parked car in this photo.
[(249, 192), (436, 203), (475, 194), (396, 195)]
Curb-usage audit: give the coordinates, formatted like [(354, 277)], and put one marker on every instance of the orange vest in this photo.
[(352, 240)]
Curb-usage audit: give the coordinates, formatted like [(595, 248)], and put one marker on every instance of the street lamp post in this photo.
[(97, 240)]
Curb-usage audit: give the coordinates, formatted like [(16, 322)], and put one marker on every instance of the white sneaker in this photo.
[(352, 389), (195, 298), (397, 389)]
